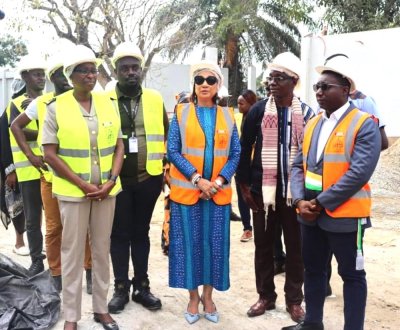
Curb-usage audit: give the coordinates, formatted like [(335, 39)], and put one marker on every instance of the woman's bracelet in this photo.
[(196, 178)]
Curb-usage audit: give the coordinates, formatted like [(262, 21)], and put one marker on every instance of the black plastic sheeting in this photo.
[(26, 302)]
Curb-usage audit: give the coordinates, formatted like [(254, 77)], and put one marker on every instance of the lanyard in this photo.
[(360, 257), (132, 114)]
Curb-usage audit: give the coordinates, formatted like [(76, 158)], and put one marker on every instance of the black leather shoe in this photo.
[(120, 297), (36, 267), (142, 295), (88, 281), (305, 326), (111, 325)]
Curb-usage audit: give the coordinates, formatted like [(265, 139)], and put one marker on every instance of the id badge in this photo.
[(133, 145)]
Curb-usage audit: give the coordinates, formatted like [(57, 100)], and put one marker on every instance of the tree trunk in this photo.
[(235, 83)]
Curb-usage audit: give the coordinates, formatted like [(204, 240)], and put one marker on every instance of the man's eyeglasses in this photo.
[(278, 79), (324, 86), (211, 80), (86, 72)]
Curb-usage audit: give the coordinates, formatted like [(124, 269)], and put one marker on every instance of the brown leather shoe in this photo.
[(296, 312), (260, 307), (70, 325)]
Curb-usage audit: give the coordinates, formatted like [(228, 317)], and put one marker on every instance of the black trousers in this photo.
[(264, 251), (317, 246), (130, 234), (32, 200)]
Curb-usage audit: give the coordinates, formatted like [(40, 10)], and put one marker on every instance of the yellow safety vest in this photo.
[(153, 117), (41, 105), (74, 141), (25, 170)]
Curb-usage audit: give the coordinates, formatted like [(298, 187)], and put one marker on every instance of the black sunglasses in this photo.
[(211, 80), (324, 86)]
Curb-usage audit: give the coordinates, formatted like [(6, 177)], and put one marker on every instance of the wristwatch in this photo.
[(113, 178), (219, 183)]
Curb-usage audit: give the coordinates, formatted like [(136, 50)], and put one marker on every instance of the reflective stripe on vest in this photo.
[(193, 144), (337, 159), (25, 170), (74, 141), (153, 119)]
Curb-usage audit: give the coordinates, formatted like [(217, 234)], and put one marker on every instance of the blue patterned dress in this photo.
[(199, 233)]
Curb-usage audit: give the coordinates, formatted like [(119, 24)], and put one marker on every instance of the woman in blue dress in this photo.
[(204, 150)]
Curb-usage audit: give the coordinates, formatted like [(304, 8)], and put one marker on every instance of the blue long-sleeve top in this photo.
[(206, 117)]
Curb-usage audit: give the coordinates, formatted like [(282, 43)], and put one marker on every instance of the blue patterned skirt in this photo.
[(199, 245)]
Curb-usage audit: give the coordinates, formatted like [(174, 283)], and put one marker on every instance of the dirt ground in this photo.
[(381, 247)]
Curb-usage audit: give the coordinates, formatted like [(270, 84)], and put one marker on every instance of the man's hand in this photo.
[(308, 210), (11, 180), (37, 161), (248, 197)]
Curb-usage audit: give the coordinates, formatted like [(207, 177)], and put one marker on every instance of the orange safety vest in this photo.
[(337, 158), (193, 145)]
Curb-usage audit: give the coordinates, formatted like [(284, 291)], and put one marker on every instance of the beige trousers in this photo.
[(77, 219), (54, 231)]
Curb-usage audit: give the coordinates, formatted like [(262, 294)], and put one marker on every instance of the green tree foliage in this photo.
[(11, 50), (360, 15), (240, 29)]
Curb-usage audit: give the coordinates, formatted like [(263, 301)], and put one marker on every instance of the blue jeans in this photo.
[(317, 245)]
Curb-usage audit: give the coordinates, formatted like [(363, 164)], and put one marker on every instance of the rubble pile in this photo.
[(386, 179)]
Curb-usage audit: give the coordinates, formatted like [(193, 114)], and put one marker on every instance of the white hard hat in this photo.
[(53, 64), (78, 55), (31, 62), (341, 65), (288, 63), (209, 66), (17, 85), (127, 49)]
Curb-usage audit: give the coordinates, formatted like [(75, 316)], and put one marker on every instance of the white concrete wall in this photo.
[(375, 55)]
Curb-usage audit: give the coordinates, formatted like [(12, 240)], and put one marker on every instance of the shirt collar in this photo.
[(120, 94), (336, 115)]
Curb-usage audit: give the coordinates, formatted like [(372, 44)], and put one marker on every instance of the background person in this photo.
[(203, 148), (245, 101), (82, 144), (9, 182)]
